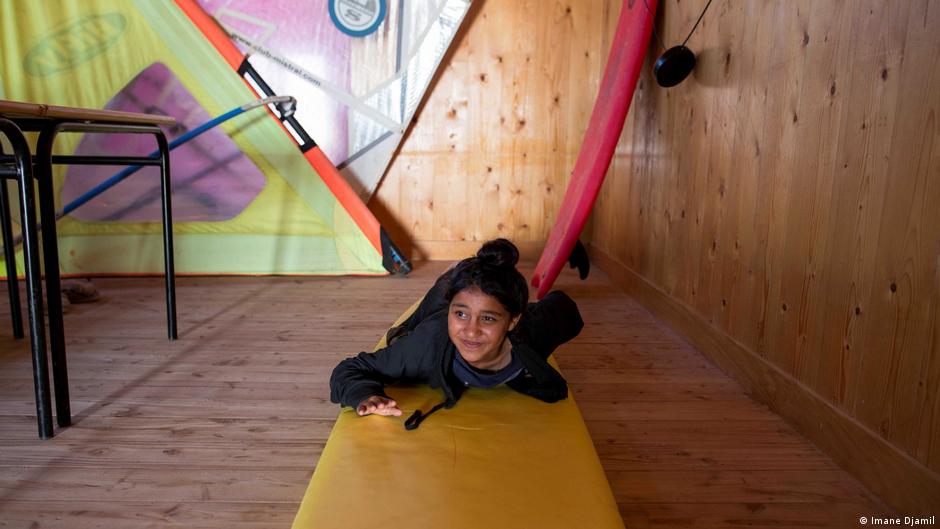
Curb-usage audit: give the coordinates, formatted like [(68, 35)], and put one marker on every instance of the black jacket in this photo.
[(420, 351)]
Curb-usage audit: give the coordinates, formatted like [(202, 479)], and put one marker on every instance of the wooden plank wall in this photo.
[(787, 197), (496, 138)]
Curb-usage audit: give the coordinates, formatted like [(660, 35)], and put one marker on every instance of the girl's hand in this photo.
[(378, 405)]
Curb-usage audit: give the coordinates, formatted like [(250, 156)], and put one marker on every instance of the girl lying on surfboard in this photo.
[(474, 328)]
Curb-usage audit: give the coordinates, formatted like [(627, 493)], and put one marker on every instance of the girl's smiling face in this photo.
[(477, 324)]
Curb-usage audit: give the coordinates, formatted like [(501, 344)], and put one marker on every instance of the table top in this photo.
[(14, 109)]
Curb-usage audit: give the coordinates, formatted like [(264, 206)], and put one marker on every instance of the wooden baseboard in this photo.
[(899, 480), (425, 250)]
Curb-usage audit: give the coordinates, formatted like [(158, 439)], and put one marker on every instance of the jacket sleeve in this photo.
[(553, 320), (432, 302), (410, 358)]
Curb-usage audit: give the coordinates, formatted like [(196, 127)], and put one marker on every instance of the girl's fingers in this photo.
[(380, 406), (367, 408)]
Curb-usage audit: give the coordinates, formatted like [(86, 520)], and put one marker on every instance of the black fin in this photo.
[(392, 259), (579, 259)]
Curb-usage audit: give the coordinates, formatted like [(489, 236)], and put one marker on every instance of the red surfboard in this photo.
[(610, 110)]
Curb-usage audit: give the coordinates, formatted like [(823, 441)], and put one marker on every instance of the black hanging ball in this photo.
[(674, 66)]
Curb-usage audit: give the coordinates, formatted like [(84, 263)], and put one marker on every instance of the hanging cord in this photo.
[(696, 22), (663, 44)]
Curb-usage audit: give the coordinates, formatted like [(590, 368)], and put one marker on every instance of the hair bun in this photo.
[(499, 252)]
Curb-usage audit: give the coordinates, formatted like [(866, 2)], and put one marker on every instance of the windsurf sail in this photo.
[(357, 90), (247, 200)]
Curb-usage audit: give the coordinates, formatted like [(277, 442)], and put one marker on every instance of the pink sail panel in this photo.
[(212, 180), (300, 31)]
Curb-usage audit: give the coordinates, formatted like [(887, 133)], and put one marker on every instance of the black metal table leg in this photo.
[(9, 257), (37, 326), (163, 161), (44, 162), (50, 247), (169, 269)]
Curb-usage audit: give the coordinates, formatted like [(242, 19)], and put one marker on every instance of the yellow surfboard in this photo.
[(497, 459)]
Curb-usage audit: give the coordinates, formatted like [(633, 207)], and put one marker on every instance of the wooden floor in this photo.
[(223, 427)]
